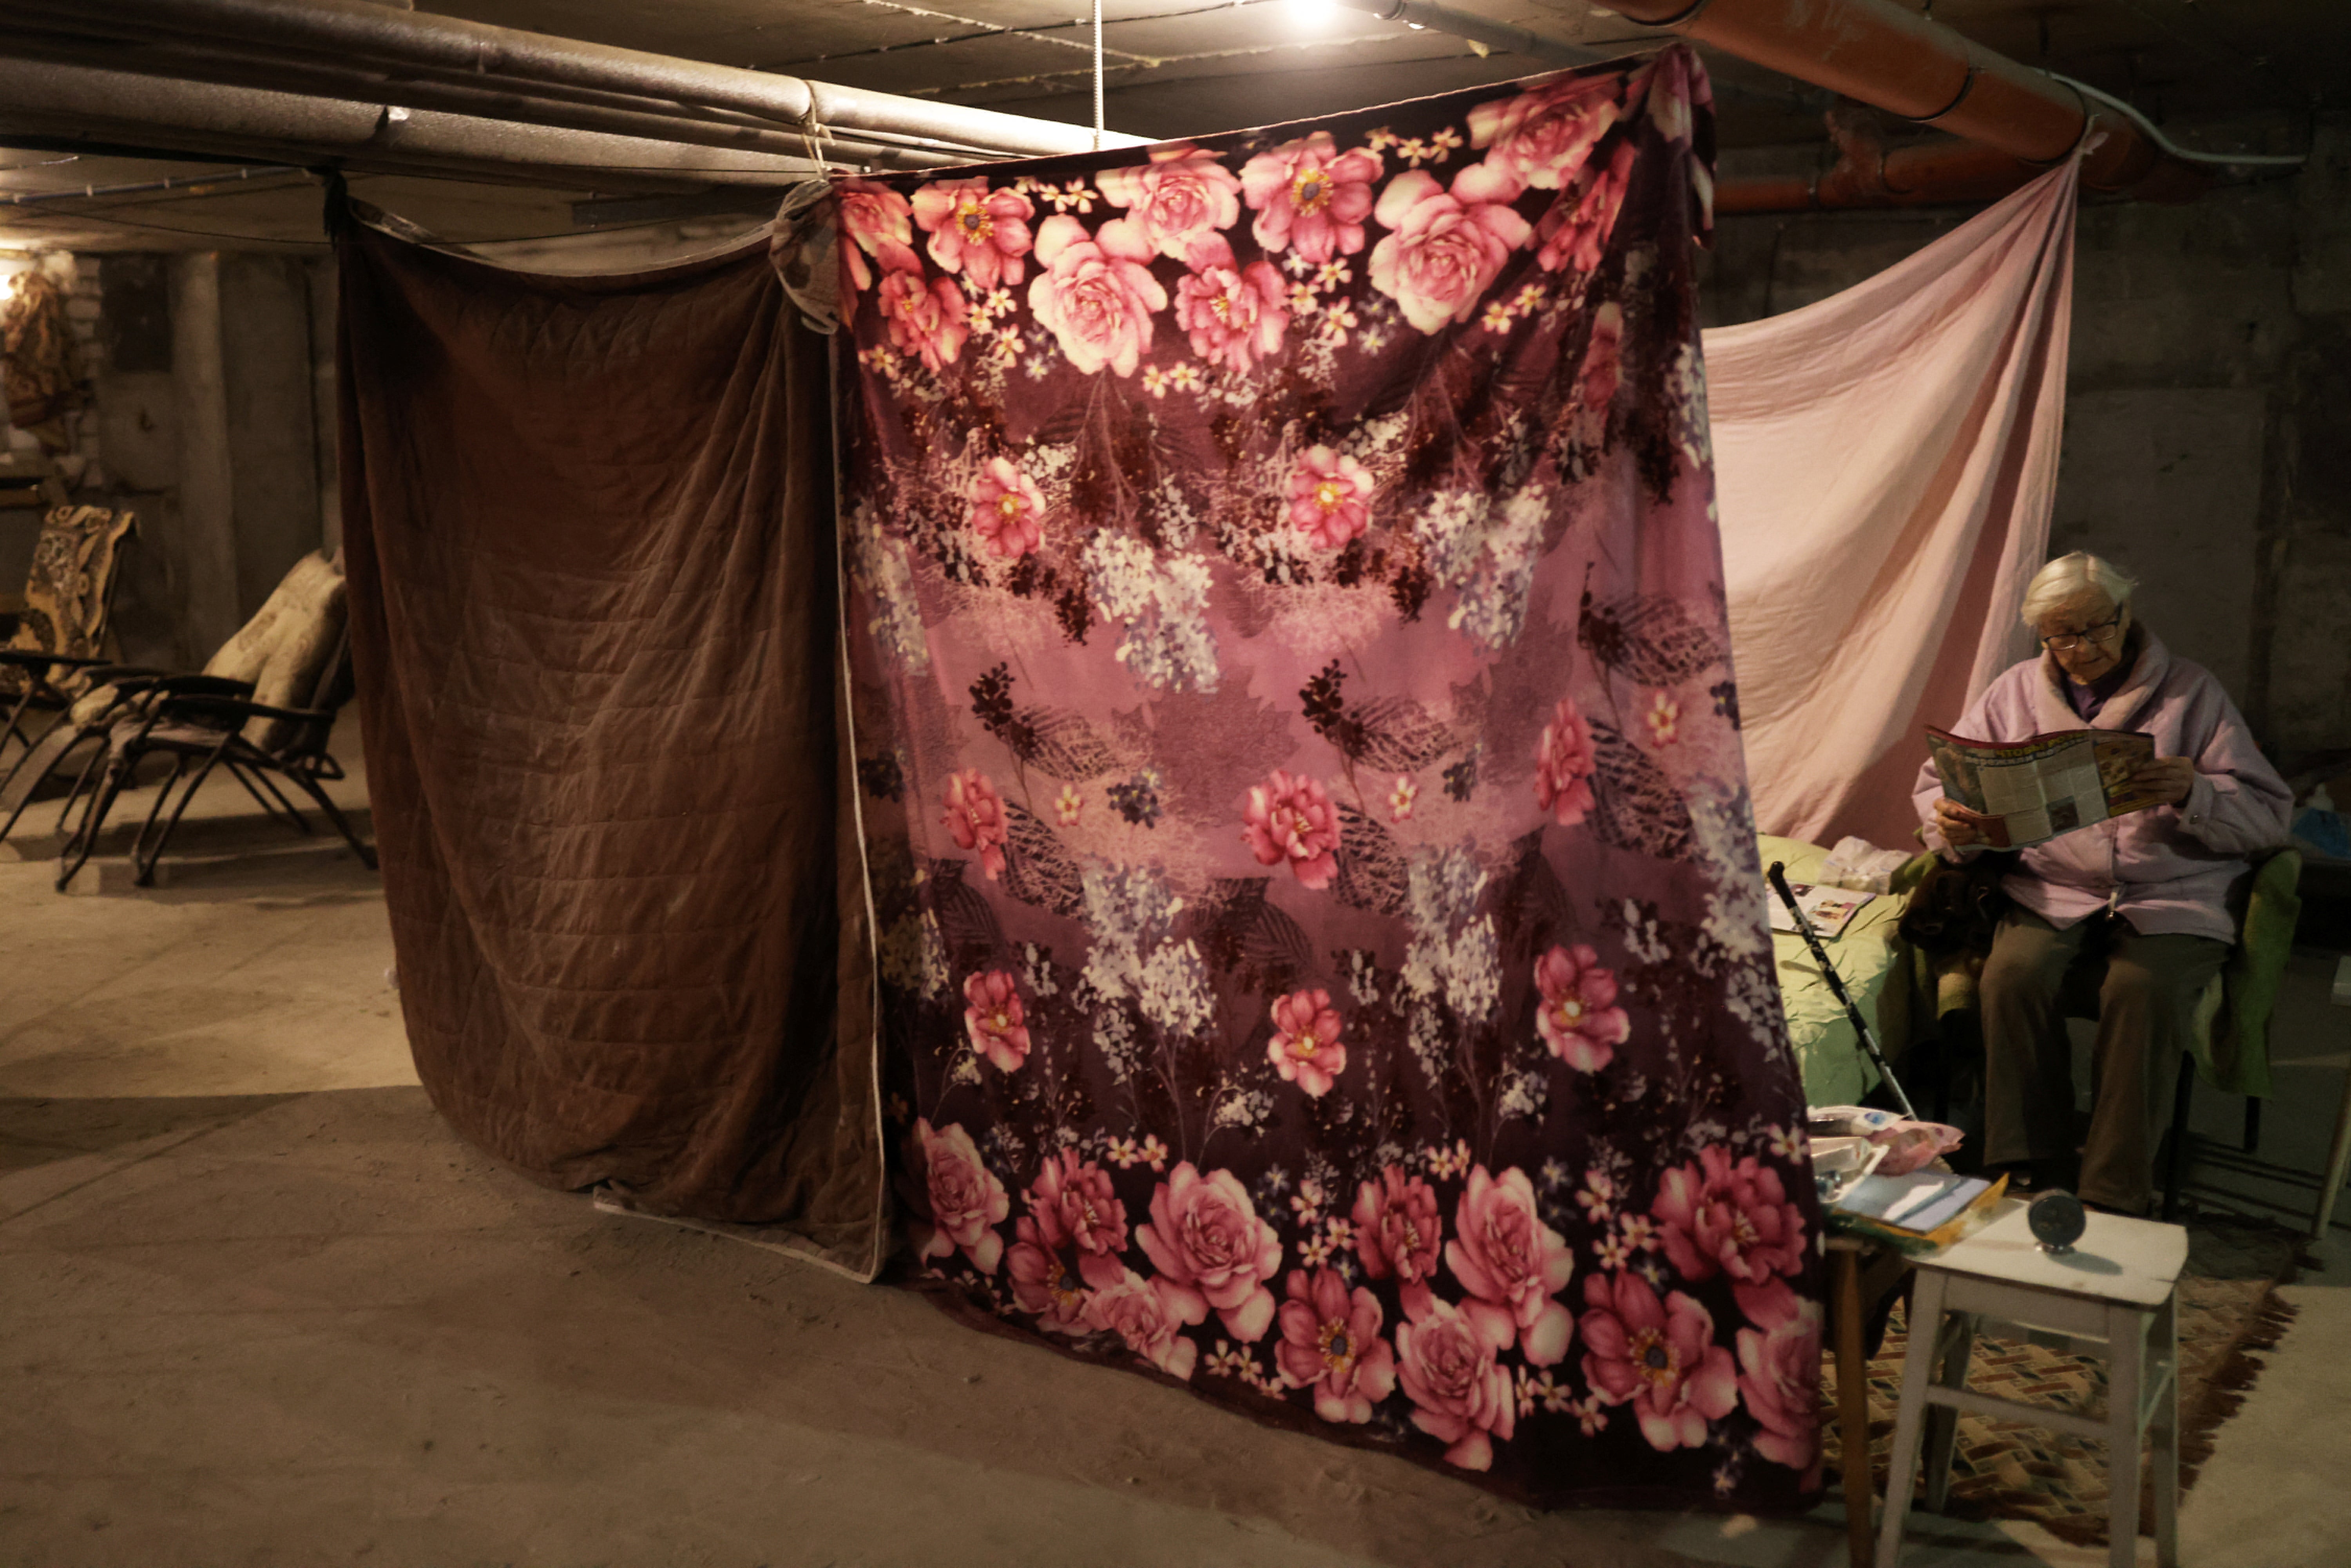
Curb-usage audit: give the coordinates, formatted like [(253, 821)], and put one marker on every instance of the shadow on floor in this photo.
[(36, 1132)]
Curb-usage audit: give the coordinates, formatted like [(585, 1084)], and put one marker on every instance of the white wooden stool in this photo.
[(2113, 1295)]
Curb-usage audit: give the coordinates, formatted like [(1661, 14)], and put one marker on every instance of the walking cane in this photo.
[(1779, 875)]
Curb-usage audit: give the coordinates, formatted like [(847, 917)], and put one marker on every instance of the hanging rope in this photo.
[(1098, 77)]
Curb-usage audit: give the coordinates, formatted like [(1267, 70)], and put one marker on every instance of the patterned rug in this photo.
[(2229, 1311)]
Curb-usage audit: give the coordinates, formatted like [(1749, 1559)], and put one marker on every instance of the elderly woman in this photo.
[(2148, 892)]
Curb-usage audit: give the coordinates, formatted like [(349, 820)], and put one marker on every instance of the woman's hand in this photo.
[(2169, 779), (1960, 826)]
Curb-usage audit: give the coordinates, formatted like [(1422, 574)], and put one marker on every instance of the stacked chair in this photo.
[(262, 709)]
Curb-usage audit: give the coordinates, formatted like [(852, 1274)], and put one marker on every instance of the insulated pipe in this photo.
[(123, 105), (1898, 60), (365, 33), (320, 81), (316, 81), (1477, 29)]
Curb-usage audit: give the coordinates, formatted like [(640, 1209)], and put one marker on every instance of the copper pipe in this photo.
[(1893, 59), (1940, 175)]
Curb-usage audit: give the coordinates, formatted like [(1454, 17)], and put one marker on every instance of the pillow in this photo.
[(281, 650)]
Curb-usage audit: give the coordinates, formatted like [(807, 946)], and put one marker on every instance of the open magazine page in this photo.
[(1829, 909), (2051, 784)]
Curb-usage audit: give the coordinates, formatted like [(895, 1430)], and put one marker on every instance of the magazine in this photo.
[(2035, 789), (1830, 909)]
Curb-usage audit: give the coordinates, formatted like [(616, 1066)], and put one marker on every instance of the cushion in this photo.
[(69, 587), (283, 649)]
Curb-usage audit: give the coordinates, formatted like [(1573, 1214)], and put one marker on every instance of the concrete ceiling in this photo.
[(2246, 77)]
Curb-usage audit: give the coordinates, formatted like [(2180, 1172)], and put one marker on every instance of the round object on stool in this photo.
[(2057, 1220)]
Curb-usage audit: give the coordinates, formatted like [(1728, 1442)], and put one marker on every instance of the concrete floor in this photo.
[(258, 1306)]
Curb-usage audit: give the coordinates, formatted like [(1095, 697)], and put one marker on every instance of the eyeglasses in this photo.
[(2066, 642)]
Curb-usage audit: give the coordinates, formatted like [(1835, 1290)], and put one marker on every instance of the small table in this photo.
[(2113, 1294), (1861, 1274)]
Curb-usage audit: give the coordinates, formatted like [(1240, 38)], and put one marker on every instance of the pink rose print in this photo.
[(1205, 1240), (1573, 231), (1075, 1203), (1311, 197), (1330, 498), (1540, 137), (1602, 357), (1661, 1357), (871, 213), (1446, 247), (870, 217), (1462, 1395), (980, 233), (1331, 1343), (1780, 1379), (1579, 1019), (1736, 1219), (1005, 507), (1150, 1315), (1045, 1283), (1288, 818), (1673, 89), (991, 1016), (1399, 1231), (1096, 294), (966, 1200), (1070, 1240), (1233, 314), (1564, 763), (975, 814), (1181, 197), (927, 317), (1305, 1048), (1512, 1264)]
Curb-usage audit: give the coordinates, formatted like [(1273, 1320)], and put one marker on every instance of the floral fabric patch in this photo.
[(1323, 952)]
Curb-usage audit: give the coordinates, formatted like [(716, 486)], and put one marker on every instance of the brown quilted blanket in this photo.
[(588, 530)]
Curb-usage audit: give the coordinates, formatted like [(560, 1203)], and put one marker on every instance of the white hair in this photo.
[(2069, 577)]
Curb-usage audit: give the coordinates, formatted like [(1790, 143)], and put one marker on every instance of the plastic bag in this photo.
[(1909, 1145), (1860, 866)]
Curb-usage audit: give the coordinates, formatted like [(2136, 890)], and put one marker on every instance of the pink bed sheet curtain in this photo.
[(1886, 461), (1322, 952)]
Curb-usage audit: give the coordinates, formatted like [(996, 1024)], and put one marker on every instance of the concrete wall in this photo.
[(2208, 433), (205, 372)]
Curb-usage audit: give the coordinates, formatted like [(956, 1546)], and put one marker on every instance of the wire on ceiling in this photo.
[(1051, 79), (2147, 128)]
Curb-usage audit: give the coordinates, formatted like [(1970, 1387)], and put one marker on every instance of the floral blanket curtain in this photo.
[(1323, 952)]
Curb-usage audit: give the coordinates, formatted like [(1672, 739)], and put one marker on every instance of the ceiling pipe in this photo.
[(381, 36), (1946, 173), (86, 104), (1897, 60)]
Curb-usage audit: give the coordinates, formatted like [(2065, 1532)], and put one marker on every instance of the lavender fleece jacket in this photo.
[(2167, 869)]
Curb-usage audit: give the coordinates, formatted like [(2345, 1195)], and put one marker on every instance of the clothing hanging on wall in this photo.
[(589, 528), (40, 369), (1323, 951), (1888, 463)]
